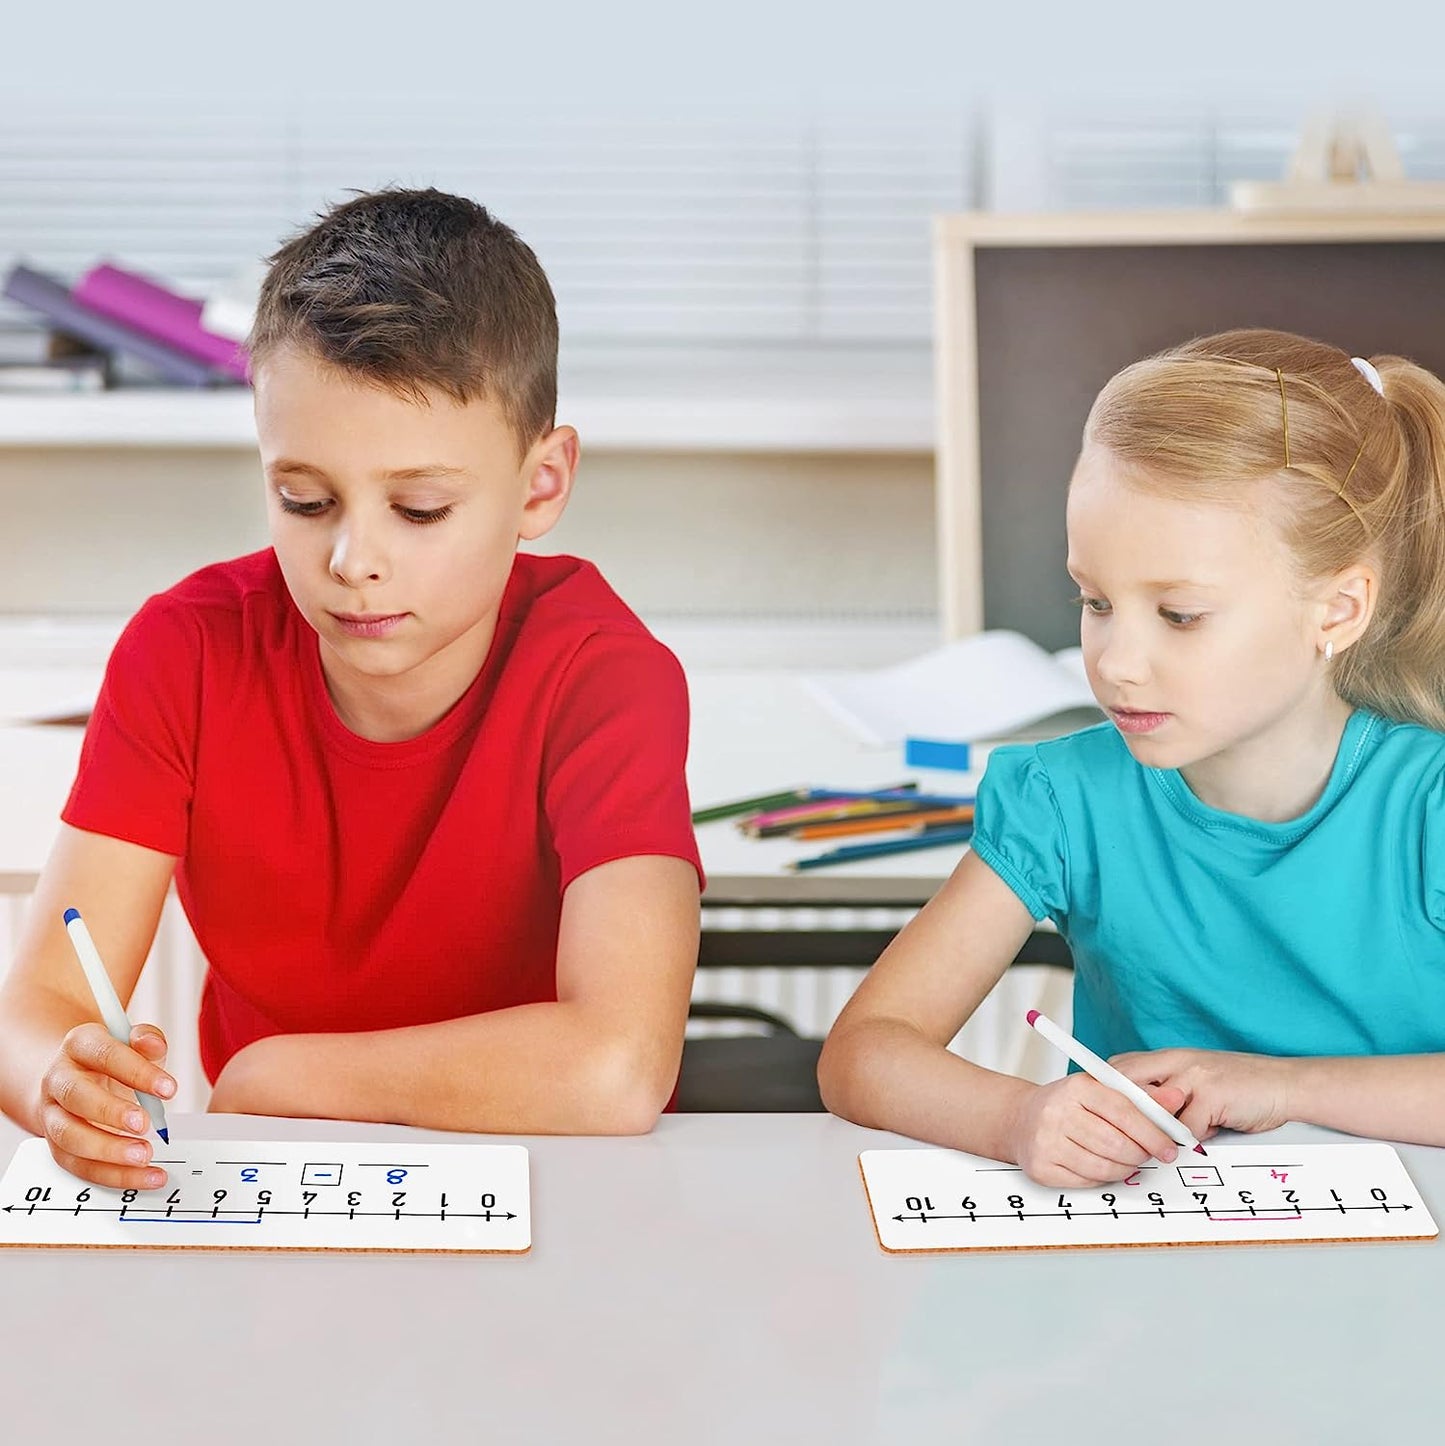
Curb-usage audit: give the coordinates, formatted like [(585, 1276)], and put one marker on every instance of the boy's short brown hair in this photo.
[(417, 288)]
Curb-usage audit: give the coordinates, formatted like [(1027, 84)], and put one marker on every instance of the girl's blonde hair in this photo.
[(1356, 476)]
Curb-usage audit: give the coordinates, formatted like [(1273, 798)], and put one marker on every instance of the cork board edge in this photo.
[(1133, 1244)]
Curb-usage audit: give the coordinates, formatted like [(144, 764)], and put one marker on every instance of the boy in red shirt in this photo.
[(422, 797)]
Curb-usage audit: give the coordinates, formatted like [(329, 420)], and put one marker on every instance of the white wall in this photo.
[(633, 54), (701, 535)]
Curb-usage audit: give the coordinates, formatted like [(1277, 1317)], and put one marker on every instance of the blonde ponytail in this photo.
[(1398, 667)]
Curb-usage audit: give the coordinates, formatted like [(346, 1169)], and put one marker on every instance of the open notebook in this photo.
[(994, 685)]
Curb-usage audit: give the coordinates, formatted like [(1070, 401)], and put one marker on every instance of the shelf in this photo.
[(782, 400)]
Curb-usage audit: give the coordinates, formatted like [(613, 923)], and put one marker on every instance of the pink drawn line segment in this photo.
[(1253, 1219)]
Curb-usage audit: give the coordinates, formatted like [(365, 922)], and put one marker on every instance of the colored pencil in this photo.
[(748, 805), (853, 826), (785, 820), (849, 853), (794, 797)]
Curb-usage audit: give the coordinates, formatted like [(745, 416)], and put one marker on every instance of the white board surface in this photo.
[(929, 1199), (261, 1194)]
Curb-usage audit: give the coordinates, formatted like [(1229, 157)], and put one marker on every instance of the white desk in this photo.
[(718, 1282), (757, 732), (752, 732)]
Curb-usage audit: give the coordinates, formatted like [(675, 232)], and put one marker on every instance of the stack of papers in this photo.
[(51, 668)]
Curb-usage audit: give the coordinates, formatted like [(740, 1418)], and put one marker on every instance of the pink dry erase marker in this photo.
[(1107, 1075)]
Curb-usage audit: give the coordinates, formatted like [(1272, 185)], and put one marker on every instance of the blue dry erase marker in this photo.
[(111, 1009)]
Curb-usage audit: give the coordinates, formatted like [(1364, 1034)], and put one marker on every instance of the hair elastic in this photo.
[(1367, 370)]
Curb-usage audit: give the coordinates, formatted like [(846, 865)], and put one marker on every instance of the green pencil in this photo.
[(749, 805)]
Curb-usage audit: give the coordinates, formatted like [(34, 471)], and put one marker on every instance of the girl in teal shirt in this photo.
[(1248, 859)]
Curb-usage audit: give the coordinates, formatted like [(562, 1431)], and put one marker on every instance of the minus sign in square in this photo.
[(321, 1174)]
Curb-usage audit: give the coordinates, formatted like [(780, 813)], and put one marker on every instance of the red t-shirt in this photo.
[(338, 884)]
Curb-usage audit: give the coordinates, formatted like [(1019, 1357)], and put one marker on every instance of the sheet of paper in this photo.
[(925, 1200), (261, 1194), (40, 695), (980, 687)]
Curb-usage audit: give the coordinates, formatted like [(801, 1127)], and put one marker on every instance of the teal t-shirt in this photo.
[(1322, 935)]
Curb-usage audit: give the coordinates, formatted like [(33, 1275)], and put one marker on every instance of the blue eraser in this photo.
[(935, 753), (71, 914)]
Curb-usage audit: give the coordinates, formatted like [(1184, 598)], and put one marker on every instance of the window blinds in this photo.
[(694, 230)]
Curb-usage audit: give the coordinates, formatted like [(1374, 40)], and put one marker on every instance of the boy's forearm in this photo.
[(533, 1069), (33, 1022), (886, 1075), (1390, 1097)]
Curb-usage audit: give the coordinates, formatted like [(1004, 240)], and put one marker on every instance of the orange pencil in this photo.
[(790, 820)]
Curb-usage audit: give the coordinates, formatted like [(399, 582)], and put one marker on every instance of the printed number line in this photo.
[(1215, 1214), (140, 1213)]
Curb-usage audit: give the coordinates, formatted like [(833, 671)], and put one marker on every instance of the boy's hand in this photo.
[(95, 1126), (1224, 1091), (1078, 1132)]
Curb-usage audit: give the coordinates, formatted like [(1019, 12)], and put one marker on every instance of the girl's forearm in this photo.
[(1388, 1097), (884, 1074)]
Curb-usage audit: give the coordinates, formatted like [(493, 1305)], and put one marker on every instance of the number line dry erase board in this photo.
[(264, 1195), (943, 1200)]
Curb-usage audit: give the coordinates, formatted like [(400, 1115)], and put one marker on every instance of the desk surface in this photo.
[(719, 1281), (753, 732)]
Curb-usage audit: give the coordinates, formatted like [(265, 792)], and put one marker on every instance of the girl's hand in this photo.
[(1223, 1091), (1078, 1132), (92, 1121)]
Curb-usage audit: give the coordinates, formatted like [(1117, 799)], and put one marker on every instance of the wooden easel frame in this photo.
[(957, 240)]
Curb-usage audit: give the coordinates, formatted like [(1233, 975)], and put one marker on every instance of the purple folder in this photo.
[(162, 314), (52, 299)]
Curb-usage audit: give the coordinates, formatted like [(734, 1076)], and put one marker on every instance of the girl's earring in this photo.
[(1329, 649)]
